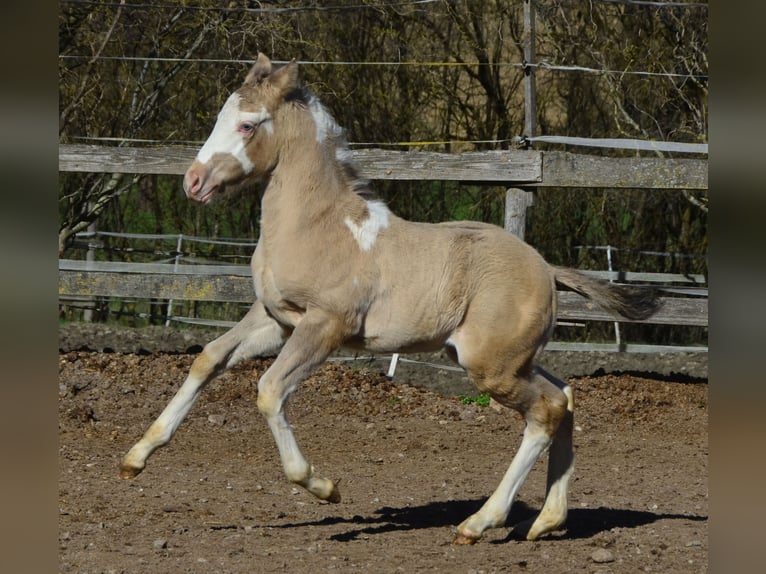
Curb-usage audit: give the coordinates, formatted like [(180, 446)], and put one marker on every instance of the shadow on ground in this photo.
[(581, 523)]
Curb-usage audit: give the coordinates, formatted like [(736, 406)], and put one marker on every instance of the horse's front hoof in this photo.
[(334, 495), (128, 472), (463, 540)]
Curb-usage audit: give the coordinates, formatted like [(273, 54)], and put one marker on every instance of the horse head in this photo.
[(240, 150)]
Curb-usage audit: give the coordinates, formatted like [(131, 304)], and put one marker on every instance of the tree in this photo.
[(139, 81), (130, 73)]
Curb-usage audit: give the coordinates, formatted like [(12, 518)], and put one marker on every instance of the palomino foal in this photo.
[(335, 267)]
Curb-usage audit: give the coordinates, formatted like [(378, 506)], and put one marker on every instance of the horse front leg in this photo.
[(255, 335), (312, 341)]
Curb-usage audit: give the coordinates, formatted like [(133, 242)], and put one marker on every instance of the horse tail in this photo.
[(634, 303)]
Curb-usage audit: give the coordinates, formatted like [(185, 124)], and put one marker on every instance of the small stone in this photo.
[(218, 420), (602, 556), (160, 543), (693, 543), (171, 508)]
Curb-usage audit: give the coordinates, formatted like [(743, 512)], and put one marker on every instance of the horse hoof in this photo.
[(463, 540), (127, 472), (334, 495)]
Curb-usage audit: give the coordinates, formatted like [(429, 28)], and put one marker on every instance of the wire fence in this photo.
[(521, 141), (543, 65), (338, 7), (181, 249)]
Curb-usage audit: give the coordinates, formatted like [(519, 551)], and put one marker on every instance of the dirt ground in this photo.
[(412, 464)]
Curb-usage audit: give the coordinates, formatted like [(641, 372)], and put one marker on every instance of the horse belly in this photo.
[(404, 331)]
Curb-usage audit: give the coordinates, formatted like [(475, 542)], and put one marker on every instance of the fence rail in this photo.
[(527, 168), (684, 296), (233, 283)]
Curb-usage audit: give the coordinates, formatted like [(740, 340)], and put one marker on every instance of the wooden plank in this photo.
[(225, 288), (238, 288), (623, 348), (244, 270), (533, 168), (501, 166), (166, 160), (513, 166), (563, 169), (155, 268), (674, 311), (647, 277)]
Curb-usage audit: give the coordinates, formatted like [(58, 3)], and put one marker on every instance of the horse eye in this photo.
[(246, 127)]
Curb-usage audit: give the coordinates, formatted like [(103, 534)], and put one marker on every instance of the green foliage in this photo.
[(108, 90), (481, 400), (477, 98)]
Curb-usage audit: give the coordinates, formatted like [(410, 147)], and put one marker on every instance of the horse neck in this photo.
[(308, 185)]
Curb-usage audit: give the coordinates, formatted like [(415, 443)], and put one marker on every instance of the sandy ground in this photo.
[(412, 464)]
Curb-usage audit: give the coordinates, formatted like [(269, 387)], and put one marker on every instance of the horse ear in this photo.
[(286, 78), (260, 70)]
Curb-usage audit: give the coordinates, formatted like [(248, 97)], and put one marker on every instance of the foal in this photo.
[(335, 267)]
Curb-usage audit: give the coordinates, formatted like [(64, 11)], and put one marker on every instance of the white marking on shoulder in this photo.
[(366, 233)]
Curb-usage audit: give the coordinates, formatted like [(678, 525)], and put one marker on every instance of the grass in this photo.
[(481, 400)]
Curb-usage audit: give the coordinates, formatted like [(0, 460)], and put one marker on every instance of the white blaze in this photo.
[(225, 137), (366, 233)]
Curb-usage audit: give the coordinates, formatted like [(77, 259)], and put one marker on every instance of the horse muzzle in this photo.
[(198, 185)]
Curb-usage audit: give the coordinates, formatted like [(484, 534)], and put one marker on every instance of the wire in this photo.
[(542, 65), (281, 62), (642, 252), (244, 9), (659, 4), (621, 143), (613, 143), (545, 65), (137, 140), (172, 236), (291, 9)]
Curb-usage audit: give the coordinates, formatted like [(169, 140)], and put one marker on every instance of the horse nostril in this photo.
[(192, 182)]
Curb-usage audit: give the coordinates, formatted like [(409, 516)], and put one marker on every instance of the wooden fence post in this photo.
[(518, 200), (530, 97), (90, 256), (516, 203)]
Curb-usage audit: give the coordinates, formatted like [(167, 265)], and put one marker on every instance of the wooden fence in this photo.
[(516, 168), (685, 303)]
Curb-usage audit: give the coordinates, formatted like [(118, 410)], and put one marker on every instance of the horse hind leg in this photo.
[(545, 407), (256, 334), (560, 469)]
